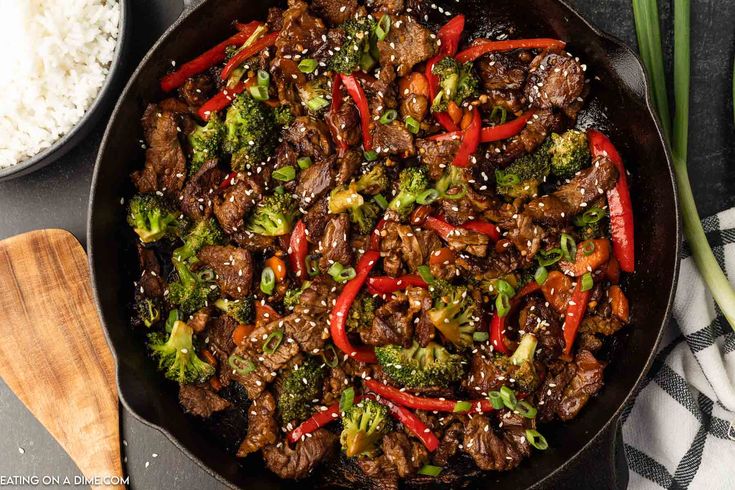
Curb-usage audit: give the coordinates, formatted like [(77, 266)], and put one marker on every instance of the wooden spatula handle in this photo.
[(53, 353)]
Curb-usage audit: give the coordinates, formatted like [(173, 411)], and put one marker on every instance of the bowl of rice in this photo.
[(64, 58)]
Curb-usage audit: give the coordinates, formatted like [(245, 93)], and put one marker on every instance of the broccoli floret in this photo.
[(453, 313), (412, 182), (152, 218), (361, 313), (146, 312), (203, 233), (365, 217), (283, 115), (457, 83), (420, 367), (274, 215), (569, 153), (524, 370), (373, 182), (363, 214), (315, 95), (355, 46), (251, 133), (293, 295), (206, 142), (523, 177), (300, 387), (191, 291), (176, 355), (452, 185), (241, 310), (364, 425)]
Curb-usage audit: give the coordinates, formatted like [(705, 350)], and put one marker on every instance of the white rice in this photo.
[(55, 55)]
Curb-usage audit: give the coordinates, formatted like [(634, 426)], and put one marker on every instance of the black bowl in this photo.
[(620, 105), (101, 103)]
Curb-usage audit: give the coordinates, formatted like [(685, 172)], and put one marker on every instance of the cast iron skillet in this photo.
[(619, 105)]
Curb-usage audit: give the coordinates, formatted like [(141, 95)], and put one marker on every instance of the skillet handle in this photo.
[(601, 466), (190, 5)]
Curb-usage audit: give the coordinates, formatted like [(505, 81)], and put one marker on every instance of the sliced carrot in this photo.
[(241, 332), (441, 256), (466, 120), (279, 267), (619, 303), (209, 357), (591, 255), (557, 290), (612, 271), (455, 112)]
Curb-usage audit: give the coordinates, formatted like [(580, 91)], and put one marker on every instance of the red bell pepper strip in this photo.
[(618, 199), (250, 51), (227, 181), (208, 59), (497, 324), (481, 226), (220, 101), (492, 133), (445, 230), (413, 423), (336, 93), (298, 249), (319, 419), (470, 141), (575, 314), (474, 52), (376, 236), (358, 96), (406, 399), (387, 284), (449, 35), (341, 310)]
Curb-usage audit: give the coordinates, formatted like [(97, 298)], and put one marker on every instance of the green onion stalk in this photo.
[(649, 40)]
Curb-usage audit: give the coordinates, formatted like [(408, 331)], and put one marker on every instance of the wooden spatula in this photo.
[(53, 353)]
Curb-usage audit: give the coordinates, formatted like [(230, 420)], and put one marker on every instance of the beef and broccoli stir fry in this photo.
[(393, 239)]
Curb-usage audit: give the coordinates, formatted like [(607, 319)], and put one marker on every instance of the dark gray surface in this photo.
[(57, 196)]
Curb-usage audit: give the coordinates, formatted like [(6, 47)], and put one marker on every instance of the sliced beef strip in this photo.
[(599, 324), (165, 163), (344, 124), (335, 12), (232, 204), (309, 137), (502, 71), (197, 90), (472, 242), (531, 136), (403, 244), (287, 78), (484, 374), (436, 155), (151, 282), (315, 181), (309, 323), (414, 105), (201, 400), (501, 263), (316, 220), (301, 32), (197, 197), (382, 473), (573, 197), (393, 139), (458, 211), (297, 462), (549, 394), (526, 236), (262, 425), (335, 244), (386, 6), (233, 267), (539, 318), (334, 384), (392, 324), (405, 454), (449, 444), (407, 44), (200, 318), (218, 337), (555, 79), (348, 163), (587, 380), (512, 101), (493, 451)]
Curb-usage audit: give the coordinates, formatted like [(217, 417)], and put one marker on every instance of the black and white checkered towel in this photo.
[(679, 430)]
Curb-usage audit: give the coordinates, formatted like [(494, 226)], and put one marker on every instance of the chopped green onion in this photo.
[(304, 162), (347, 399), (173, 317), (285, 174), (549, 257), (273, 342), (425, 273), (592, 215), (388, 116), (568, 247), (536, 439), (496, 399), (526, 409), (317, 104), (509, 397), (462, 406), (263, 79), (240, 365), (279, 190), (267, 280), (329, 356), (412, 125), (503, 114), (506, 179), (428, 196), (308, 65), (480, 336), (259, 93), (588, 248), (587, 281), (541, 275), (366, 62), (312, 266), (502, 304), (383, 27), (371, 155), (206, 275), (382, 201), (341, 273), (503, 287), (430, 470)]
